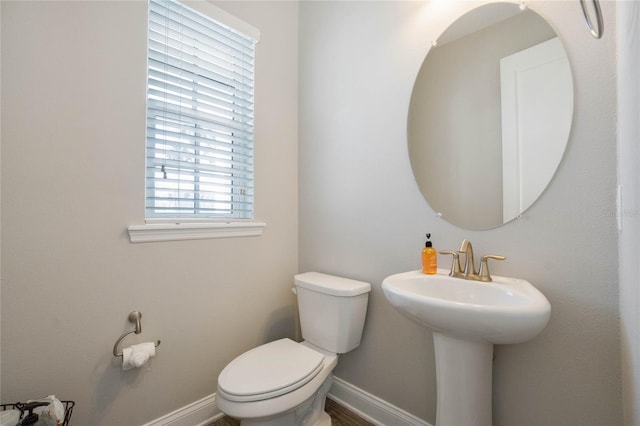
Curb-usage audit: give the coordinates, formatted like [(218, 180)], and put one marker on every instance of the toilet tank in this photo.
[(332, 310)]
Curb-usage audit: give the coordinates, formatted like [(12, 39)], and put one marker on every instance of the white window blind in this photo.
[(199, 146)]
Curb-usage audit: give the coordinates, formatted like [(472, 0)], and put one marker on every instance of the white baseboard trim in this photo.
[(199, 413), (367, 406), (370, 407)]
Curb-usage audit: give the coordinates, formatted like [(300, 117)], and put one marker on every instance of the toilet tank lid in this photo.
[(330, 284)]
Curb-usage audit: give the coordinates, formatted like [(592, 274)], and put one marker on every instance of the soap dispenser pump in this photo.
[(429, 258)]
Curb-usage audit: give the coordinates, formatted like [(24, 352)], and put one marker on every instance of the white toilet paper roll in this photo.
[(135, 356)]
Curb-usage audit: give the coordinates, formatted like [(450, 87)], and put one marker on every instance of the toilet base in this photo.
[(323, 420), (310, 413)]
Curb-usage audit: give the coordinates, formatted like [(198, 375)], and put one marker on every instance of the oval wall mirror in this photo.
[(490, 116)]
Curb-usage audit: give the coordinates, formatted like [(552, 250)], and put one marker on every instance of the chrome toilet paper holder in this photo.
[(135, 318)]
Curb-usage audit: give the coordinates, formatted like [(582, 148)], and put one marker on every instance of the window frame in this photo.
[(198, 227)]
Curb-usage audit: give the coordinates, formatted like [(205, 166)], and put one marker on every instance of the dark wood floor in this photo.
[(340, 416)]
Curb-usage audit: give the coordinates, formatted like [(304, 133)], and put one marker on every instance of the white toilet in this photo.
[(284, 383)]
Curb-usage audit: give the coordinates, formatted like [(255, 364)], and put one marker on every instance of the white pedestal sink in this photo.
[(467, 318)]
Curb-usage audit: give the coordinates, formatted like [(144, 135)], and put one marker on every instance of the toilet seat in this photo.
[(270, 370)]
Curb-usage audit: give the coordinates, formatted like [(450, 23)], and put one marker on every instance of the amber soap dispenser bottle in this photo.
[(429, 258)]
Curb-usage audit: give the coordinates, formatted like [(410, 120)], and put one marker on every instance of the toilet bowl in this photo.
[(251, 388), (285, 383)]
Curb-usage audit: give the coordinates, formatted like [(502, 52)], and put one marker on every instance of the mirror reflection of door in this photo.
[(537, 101)]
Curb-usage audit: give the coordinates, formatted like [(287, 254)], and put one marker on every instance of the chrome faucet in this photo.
[(469, 271)]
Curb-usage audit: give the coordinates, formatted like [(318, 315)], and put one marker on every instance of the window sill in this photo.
[(193, 231)]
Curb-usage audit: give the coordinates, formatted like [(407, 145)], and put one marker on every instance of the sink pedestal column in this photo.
[(463, 375)]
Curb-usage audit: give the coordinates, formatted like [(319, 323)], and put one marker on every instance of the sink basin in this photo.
[(467, 318), (507, 310)]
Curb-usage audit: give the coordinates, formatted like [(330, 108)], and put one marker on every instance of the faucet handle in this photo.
[(484, 266), (456, 271)]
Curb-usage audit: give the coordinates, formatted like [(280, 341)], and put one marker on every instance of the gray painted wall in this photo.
[(73, 109), (362, 216)]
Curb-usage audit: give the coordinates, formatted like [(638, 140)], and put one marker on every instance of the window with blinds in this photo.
[(199, 142)]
